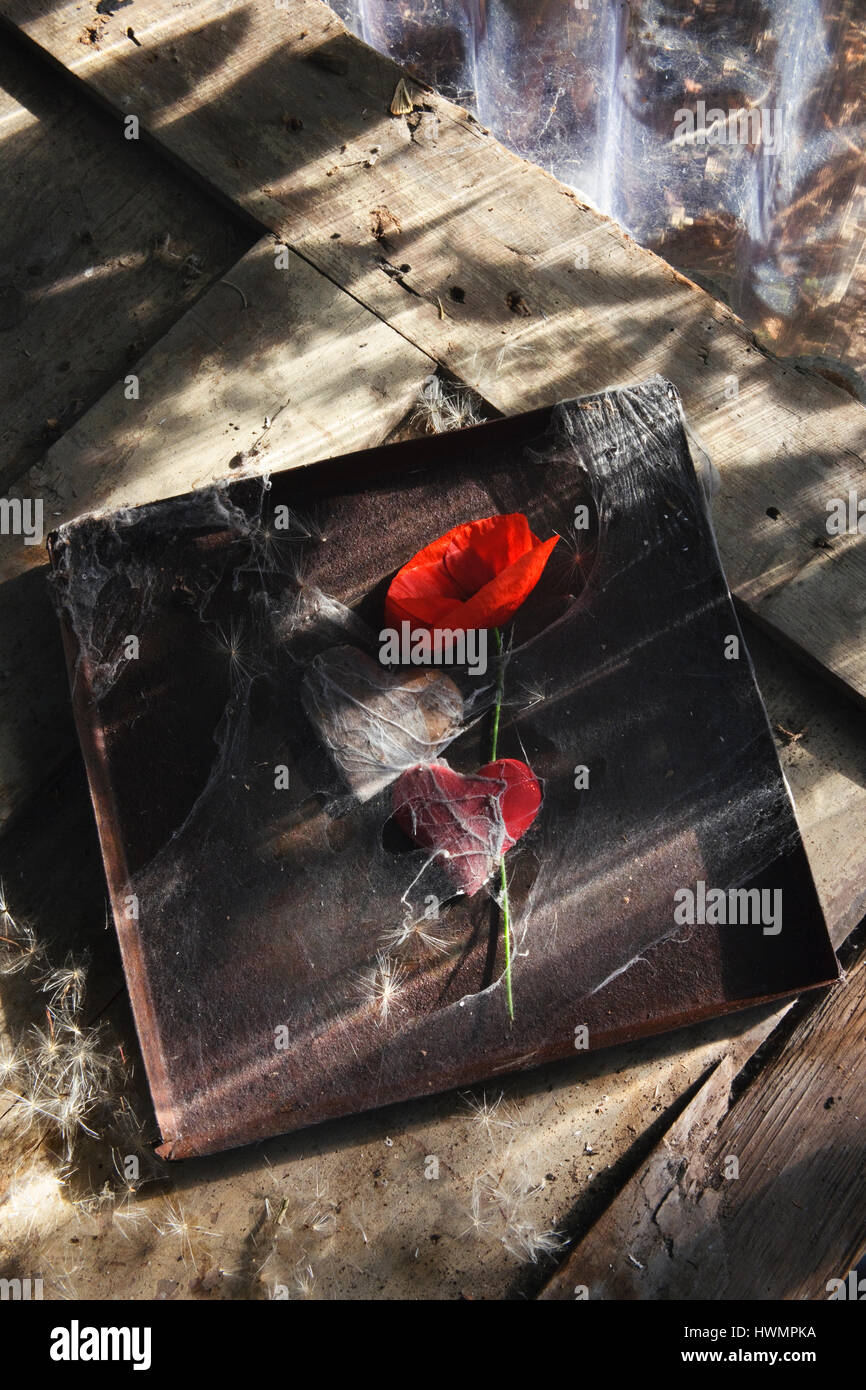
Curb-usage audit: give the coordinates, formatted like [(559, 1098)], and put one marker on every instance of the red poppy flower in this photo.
[(475, 576), (469, 820)]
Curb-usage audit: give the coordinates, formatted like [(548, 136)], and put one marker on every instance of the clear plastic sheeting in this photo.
[(728, 135), (304, 837), (376, 724)]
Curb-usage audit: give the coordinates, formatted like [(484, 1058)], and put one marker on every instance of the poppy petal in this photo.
[(499, 600), (468, 820), (519, 799), (475, 575)]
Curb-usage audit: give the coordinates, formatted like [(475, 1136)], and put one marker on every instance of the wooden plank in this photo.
[(248, 347), (103, 246), (235, 1193), (272, 368), (790, 1217), (358, 1207), (823, 755), (580, 1123), (580, 1129), (551, 299), (569, 1134), (569, 1125)]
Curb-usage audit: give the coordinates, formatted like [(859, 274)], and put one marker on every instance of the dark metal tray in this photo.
[(261, 925)]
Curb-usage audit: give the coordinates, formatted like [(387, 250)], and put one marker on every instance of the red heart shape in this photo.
[(471, 820)]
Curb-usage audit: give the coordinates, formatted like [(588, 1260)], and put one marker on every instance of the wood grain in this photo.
[(577, 1123), (103, 245), (569, 1127), (792, 1218), (554, 300), (271, 369)]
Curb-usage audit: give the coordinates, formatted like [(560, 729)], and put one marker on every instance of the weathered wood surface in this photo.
[(358, 1207), (822, 750), (102, 246), (577, 1131), (270, 369), (184, 431), (288, 117), (789, 1217)]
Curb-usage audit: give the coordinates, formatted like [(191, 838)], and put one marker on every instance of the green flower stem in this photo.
[(494, 741), (506, 928), (500, 691)]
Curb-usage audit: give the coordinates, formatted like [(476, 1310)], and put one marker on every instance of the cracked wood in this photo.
[(557, 300)]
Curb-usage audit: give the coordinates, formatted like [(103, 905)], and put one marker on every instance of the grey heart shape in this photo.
[(375, 724)]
